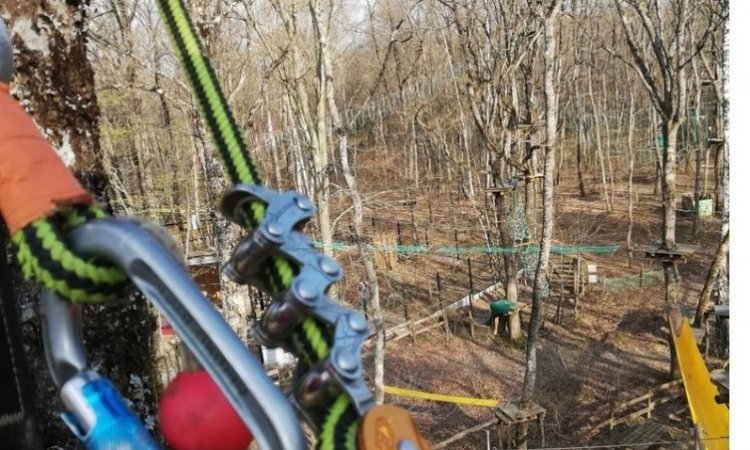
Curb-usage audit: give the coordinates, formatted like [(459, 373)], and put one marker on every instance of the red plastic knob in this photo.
[(195, 415)]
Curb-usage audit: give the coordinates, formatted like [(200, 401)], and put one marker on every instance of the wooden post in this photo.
[(471, 279), (471, 318), (398, 240), (455, 239), (446, 325), (640, 283), (576, 273), (577, 285), (697, 438), (562, 291), (492, 267), (514, 326), (471, 298), (414, 231), (541, 428)]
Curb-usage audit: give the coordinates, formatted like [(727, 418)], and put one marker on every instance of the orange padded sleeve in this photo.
[(33, 179)]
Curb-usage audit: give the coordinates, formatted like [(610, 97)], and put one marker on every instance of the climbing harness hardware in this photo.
[(341, 369), (164, 282), (96, 413)]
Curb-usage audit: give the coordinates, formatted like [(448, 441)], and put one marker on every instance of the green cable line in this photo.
[(452, 250)]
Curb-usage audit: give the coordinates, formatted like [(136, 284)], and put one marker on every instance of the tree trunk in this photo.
[(599, 152), (669, 217), (548, 215), (55, 79), (717, 265), (340, 131), (631, 167), (579, 158), (659, 152), (548, 222), (364, 254), (507, 240), (698, 188)]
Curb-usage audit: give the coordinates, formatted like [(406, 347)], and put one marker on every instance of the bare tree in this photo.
[(717, 265), (341, 133), (492, 65), (550, 16), (54, 78), (661, 64)]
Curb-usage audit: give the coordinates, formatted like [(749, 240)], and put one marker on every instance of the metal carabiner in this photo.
[(96, 413), (260, 404)]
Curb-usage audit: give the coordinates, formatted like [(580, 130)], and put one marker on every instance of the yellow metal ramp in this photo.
[(711, 418)]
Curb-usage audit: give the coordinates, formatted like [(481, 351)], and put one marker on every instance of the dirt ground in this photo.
[(615, 350)]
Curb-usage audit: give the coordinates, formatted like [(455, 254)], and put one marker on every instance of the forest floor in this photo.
[(614, 350)]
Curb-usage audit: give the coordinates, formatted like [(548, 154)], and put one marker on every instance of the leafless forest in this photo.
[(424, 125)]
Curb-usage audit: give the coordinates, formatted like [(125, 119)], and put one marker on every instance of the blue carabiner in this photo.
[(96, 412)]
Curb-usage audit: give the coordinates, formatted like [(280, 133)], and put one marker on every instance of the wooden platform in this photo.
[(530, 176), (499, 190), (648, 432), (510, 414), (678, 253)]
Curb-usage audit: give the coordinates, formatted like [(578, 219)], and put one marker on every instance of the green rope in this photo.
[(339, 429), (45, 256)]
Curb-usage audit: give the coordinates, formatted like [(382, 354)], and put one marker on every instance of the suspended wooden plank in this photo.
[(679, 252)]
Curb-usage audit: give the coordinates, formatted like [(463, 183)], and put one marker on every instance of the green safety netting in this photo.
[(556, 249), (633, 281)]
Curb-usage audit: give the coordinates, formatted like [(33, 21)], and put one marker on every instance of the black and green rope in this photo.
[(312, 338), (339, 429), (45, 256)]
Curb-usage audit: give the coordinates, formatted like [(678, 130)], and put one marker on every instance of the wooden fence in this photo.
[(643, 405)]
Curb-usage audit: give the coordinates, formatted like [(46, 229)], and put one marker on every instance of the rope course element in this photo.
[(312, 338), (402, 392), (452, 251), (634, 281)]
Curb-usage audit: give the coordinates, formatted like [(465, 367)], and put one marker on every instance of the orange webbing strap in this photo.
[(33, 179)]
